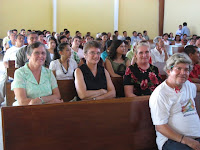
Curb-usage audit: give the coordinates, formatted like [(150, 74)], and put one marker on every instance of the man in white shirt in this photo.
[(11, 52), (178, 32), (75, 47), (6, 39), (173, 108), (134, 38), (159, 53)]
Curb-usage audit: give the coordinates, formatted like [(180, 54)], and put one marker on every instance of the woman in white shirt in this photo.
[(165, 39), (177, 40), (63, 67)]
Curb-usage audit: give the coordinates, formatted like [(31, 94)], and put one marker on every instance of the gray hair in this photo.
[(140, 44), (31, 47), (177, 59), (9, 32), (156, 39)]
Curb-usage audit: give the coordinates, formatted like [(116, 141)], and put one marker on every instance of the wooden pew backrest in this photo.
[(119, 86), (115, 124), (67, 89)]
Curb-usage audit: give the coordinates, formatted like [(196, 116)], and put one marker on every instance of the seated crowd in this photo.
[(43, 58)]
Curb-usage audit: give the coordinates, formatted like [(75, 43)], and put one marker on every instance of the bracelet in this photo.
[(94, 98), (41, 100), (181, 138)]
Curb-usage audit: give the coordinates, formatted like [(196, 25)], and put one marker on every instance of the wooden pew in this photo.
[(119, 86), (11, 64), (11, 72), (114, 124), (66, 87)]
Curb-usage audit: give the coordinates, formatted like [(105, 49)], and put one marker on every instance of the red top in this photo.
[(195, 72)]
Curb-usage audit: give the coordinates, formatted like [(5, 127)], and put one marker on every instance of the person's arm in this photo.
[(53, 67), (133, 61), (195, 80), (110, 88), (109, 67), (54, 72), (198, 87), (5, 64), (166, 55), (6, 59), (128, 91), (81, 89), (20, 94), (7, 46), (167, 131), (128, 63)]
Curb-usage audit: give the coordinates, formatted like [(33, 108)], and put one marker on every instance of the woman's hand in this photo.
[(55, 101), (35, 101), (103, 91)]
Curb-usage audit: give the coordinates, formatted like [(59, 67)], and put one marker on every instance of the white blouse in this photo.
[(55, 65)]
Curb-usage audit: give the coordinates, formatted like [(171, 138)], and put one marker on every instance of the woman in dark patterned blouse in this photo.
[(141, 78)]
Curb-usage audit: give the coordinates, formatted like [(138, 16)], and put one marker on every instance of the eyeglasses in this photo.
[(38, 53), (94, 53), (178, 69)]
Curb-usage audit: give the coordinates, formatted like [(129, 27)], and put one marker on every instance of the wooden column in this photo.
[(161, 16)]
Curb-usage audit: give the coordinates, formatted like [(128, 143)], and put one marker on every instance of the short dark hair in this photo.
[(31, 33), (144, 31), (184, 23), (165, 34), (22, 30), (61, 37), (103, 33), (128, 38), (67, 32), (76, 37), (40, 33), (190, 49), (125, 42), (115, 31), (176, 36), (14, 30), (134, 32), (124, 32), (19, 35)]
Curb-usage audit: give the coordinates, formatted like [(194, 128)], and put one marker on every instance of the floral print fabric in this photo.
[(144, 81)]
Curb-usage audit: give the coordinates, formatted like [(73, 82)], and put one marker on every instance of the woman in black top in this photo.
[(92, 81)]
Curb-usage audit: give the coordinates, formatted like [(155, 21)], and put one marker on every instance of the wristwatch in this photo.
[(94, 98), (41, 100)]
